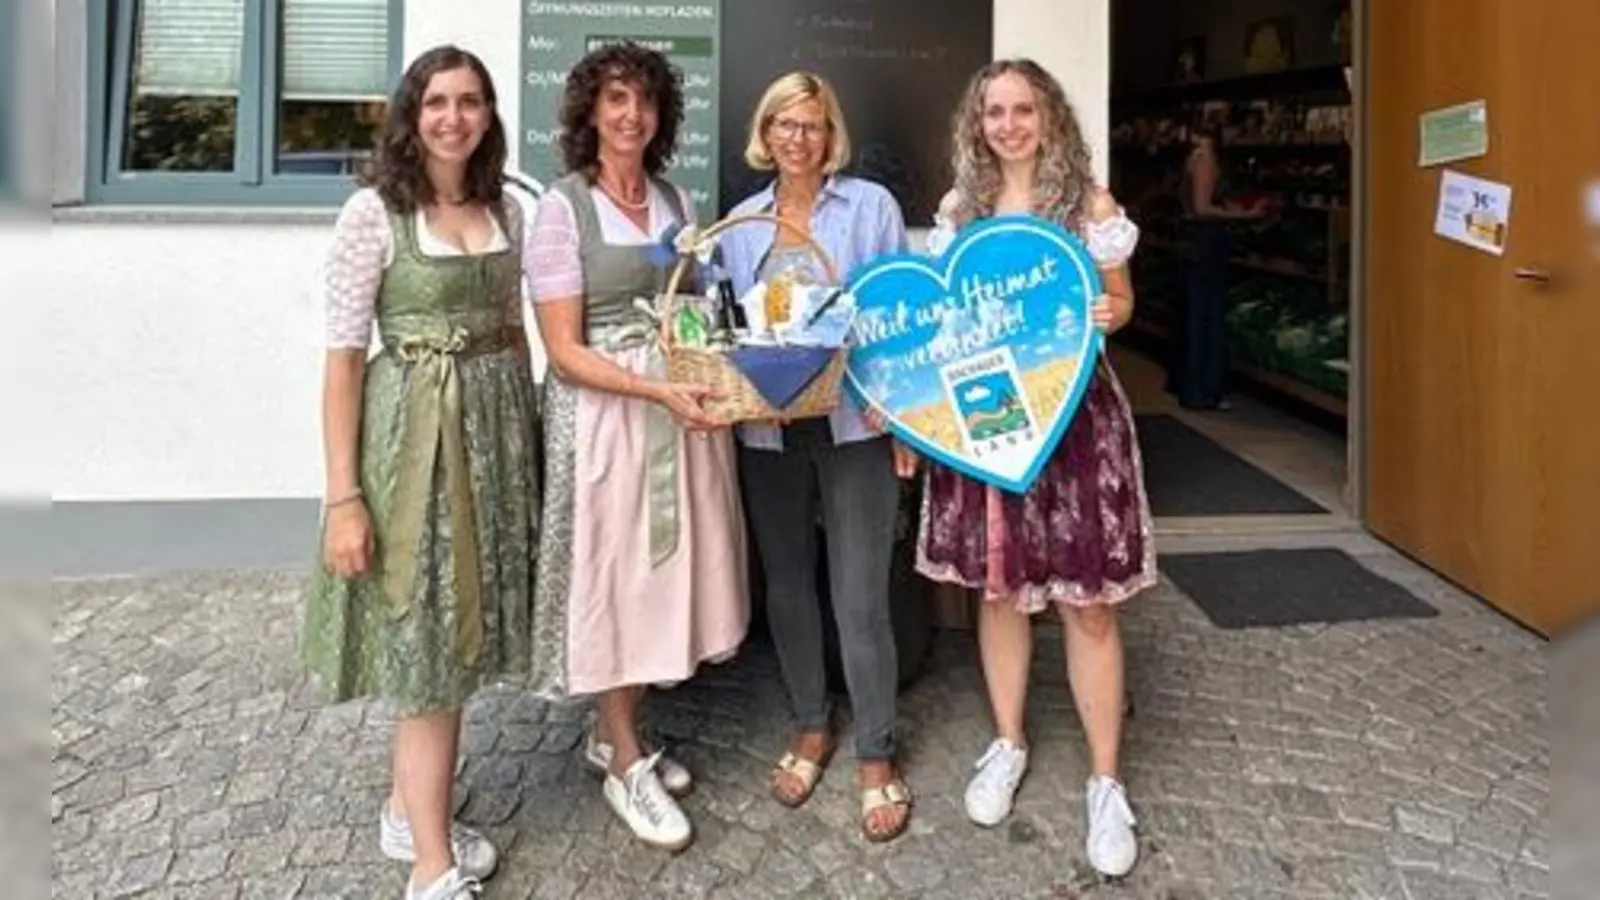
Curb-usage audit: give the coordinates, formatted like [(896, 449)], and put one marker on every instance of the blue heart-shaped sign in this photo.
[(979, 359)]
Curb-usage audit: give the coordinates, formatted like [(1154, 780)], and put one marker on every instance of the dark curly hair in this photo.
[(626, 61), (398, 171)]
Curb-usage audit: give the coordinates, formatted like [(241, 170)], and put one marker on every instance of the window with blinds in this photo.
[(331, 49), (183, 107), (250, 87), (335, 81)]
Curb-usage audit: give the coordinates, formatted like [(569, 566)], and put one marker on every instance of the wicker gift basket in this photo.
[(735, 399)]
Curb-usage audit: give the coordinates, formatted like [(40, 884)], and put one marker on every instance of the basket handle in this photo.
[(669, 301)]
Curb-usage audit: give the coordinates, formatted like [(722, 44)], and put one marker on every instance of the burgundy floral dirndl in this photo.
[(1082, 534)]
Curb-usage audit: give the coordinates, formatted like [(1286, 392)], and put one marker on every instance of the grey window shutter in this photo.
[(335, 50), (189, 48)]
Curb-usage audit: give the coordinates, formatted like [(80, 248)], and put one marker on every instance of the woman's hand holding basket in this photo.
[(686, 403)]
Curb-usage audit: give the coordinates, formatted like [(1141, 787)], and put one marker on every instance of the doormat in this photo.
[(1189, 474), (1274, 588)]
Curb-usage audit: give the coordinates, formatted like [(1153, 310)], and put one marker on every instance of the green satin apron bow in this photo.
[(661, 432), (434, 436)]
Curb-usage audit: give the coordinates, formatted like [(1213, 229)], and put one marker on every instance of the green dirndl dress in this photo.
[(448, 462)]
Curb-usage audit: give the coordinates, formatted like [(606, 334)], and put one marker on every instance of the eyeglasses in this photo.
[(789, 129)]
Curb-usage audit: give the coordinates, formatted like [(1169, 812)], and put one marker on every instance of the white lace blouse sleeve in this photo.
[(353, 271), (1112, 241), (940, 236), (554, 265), (944, 225)]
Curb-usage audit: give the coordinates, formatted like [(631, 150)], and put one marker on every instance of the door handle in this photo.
[(1535, 274)]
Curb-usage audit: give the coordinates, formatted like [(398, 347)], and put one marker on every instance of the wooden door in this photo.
[(1482, 416)]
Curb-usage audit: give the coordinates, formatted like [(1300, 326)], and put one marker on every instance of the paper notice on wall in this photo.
[(1473, 211), (1454, 133)]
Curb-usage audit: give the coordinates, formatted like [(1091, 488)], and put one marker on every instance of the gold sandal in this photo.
[(895, 793), (807, 772)]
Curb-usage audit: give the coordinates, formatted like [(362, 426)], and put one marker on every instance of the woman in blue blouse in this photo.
[(798, 131)]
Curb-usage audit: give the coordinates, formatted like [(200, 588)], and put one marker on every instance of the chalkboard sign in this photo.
[(556, 35), (899, 67)]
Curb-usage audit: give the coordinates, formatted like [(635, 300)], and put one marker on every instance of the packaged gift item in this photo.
[(690, 325), (828, 322), (817, 316), (779, 301)]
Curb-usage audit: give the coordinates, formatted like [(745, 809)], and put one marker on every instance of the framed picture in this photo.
[(1269, 45), (1188, 61)]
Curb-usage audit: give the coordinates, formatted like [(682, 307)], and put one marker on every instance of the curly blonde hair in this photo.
[(1064, 179)]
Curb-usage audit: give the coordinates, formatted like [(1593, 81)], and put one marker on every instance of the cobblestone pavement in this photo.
[(1398, 759)]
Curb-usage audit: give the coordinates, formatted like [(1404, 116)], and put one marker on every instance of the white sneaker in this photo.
[(475, 856), (642, 802), (674, 777), (990, 792), (452, 885), (1111, 846)]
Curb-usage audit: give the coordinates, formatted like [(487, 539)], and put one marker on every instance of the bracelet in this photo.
[(347, 499)]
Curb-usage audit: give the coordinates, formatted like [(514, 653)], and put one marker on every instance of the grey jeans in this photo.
[(860, 498)]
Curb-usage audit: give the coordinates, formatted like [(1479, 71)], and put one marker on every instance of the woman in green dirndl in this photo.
[(424, 588)]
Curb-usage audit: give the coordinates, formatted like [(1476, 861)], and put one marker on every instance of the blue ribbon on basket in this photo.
[(781, 374), (664, 253)]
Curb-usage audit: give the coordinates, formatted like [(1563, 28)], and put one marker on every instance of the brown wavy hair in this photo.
[(398, 170), (1064, 178), (661, 83)]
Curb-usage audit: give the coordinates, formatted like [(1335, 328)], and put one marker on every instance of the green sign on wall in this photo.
[(556, 35)]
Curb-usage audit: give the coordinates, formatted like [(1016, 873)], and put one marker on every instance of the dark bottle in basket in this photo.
[(728, 306), (727, 314)]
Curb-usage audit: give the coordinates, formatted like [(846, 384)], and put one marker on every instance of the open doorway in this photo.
[(1231, 146)]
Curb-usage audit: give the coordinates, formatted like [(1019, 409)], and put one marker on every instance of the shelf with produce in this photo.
[(1267, 264), (1175, 152), (1286, 268), (1277, 322), (1287, 329), (1285, 332), (1306, 112), (1320, 81), (1285, 150), (1332, 402)]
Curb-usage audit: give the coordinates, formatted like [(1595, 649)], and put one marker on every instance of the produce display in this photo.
[(1285, 152)]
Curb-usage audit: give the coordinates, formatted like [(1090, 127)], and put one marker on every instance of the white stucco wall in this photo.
[(493, 31), (188, 366), (1072, 39), (195, 369)]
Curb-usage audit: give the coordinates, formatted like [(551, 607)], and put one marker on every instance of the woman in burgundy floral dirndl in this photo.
[(1080, 537)]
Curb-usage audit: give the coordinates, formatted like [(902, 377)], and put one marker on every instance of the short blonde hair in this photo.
[(798, 87)]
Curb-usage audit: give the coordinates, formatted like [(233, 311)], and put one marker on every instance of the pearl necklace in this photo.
[(618, 199)]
